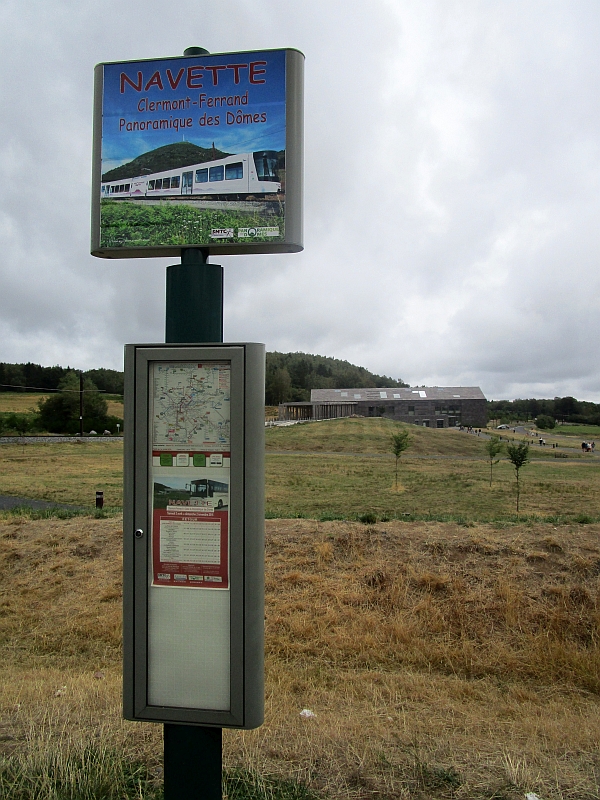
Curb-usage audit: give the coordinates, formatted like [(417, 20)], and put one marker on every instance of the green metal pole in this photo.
[(194, 300), (193, 753)]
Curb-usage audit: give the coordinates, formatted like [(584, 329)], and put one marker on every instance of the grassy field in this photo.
[(127, 224), (330, 487), (25, 402), (580, 431), (342, 469), (564, 437), (20, 402), (442, 658), (372, 435), (439, 661), (64, 473), (363, 435)]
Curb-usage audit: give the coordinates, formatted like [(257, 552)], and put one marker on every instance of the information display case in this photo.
[(193, 590)]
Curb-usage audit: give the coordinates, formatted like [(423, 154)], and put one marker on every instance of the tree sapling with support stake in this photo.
[(519, 456), (493, 447), (400, 442)]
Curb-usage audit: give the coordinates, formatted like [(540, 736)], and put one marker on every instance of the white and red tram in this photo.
[(239, 175)]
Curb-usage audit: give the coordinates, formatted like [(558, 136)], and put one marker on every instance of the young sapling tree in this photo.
[(519, 456), (400, 441), (493, 447)]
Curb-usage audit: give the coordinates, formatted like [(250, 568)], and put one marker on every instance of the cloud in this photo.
[(451, 187)]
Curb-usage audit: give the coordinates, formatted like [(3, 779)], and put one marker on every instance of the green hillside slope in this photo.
[(371, 436), (170, 156), (291, 376)]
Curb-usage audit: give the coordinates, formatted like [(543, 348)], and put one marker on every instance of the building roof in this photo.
[(412, 393)]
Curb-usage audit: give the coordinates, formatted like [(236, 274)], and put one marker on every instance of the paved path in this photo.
[(46, 439), (545, 457), (7, 502)]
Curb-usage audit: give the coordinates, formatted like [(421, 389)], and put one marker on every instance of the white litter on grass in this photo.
[(532, 796), (307, 713), (60, 692)]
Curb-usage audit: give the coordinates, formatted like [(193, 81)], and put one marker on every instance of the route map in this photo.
[(191, 405)]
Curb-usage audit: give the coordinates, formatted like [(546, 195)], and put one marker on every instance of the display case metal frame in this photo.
[(246, 519), (294, 167)]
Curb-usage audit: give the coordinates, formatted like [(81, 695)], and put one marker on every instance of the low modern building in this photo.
[(430, 406)]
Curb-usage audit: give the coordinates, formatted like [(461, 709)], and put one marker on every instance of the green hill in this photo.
[(18, 377), (372, 436), (170, 156), (291, 376)]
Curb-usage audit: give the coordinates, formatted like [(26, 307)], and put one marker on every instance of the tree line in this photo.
[(59, 412), (561, 409), (36, 377), (291, 376)]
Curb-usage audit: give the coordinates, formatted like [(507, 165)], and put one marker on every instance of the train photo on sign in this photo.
[(233, 177)]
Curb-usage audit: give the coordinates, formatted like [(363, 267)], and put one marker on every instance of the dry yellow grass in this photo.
[(271, 412), (64, 473), (20, 402), (476, 601), (439, 660), (25, 402)]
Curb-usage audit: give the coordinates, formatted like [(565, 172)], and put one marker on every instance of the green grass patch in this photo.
[(65, 472), (89, 773), (245, 785), (336, 470), (581, 431), (348, 487), (96, 773), (126, 224), (371, 436), (55, 512), (20, 402)]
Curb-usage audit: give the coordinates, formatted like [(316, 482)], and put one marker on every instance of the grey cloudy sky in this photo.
[(451, 184)]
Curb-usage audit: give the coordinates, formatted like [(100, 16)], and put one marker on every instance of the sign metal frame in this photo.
[(292, 240), (246, 526)]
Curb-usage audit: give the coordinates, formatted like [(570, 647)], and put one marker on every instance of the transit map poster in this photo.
[(190, 474), (192, 153)]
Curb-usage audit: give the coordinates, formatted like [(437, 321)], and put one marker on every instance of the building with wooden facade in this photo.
[(430, 406)]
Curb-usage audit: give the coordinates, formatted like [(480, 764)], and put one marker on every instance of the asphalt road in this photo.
[(46, 439), (7, 502)]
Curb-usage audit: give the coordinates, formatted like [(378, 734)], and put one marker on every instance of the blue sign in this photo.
[(235, 103), (192, 153)]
